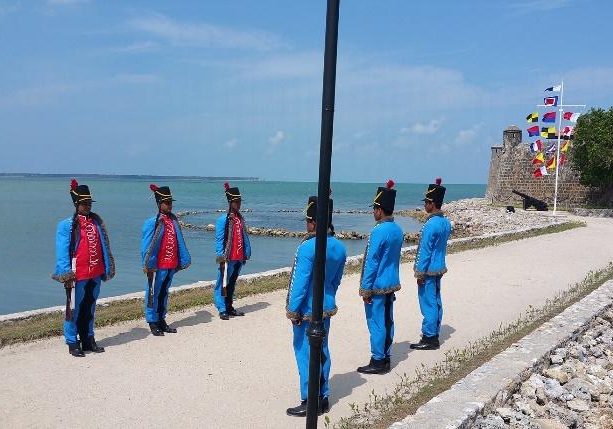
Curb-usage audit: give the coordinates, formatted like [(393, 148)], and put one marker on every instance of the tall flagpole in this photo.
[(561, 107), (561, 112)]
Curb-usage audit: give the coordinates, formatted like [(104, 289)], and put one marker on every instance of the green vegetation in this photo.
[(592, 151), (412, 392)]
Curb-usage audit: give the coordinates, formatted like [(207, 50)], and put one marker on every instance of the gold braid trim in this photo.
[(64, 277), (422, 274), (370, 292)]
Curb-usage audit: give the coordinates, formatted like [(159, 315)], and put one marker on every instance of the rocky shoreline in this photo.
[(573, 390), (469, 217)]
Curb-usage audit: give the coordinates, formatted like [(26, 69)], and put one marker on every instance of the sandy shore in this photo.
[(241, 373)]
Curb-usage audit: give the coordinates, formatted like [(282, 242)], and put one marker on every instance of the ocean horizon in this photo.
[(34, 203)]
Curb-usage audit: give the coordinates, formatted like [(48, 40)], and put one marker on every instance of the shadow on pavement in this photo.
[(250, 308), (400, 351), (134, 334), (342, 385), (201, 316)]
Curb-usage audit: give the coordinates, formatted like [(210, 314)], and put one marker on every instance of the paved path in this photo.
[(241, 373)]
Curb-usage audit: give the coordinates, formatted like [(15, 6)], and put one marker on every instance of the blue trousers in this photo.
[(302, 352), (156, 300), (380, 321), (224, 303), (82, 322), (431, 306)]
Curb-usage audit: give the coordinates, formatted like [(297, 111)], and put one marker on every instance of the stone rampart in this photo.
[(511, 168)]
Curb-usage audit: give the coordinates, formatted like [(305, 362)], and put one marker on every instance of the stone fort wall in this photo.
[(511, 168)]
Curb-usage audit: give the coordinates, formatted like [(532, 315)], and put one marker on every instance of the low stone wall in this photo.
[(575, 345), (592, 212), (573, 389)]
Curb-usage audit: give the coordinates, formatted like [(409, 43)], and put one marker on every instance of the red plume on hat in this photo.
[(74, 184), (226, 186), (438, 180), (390, 184), (153, 187)]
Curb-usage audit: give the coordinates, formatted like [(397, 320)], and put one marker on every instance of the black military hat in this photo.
[(435, 192), (161, 193), (79, 193), (232, 194), (386, 196), (311, 209)]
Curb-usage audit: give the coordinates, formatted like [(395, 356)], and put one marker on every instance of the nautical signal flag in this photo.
[(533, 131), (536, 146), (548, 132), (539, 158), (540, 172), (551, 101), (567, 131), (570, 116), (551, 163), (551, 148), (555, 88), (532, 117), (549, 117), (563, 160), (565, 147)]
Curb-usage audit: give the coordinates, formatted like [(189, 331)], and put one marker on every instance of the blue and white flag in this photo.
[(556, 88)]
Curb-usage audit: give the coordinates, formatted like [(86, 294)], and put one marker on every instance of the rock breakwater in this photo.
[(573, 390)]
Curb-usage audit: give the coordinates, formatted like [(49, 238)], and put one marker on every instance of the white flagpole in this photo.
[(557, 160)]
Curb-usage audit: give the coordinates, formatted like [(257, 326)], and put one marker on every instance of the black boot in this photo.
[(89, 345), (224, 315), (75, 350), (232, 312), (299, 411), (375, 366), (324, 406), (165, 328), (426, 343), (155, 330)]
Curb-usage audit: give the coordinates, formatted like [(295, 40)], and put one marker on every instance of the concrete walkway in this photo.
[(241, 373)]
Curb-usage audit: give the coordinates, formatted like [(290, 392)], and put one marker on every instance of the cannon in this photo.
[(529, 201)]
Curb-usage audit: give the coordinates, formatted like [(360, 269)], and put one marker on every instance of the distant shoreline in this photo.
[(131, 176)]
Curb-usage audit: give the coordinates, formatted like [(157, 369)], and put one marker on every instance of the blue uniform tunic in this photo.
[(430, 266), (156, 293), (234, 267), (85, 291), (299, 305), (380, 279)]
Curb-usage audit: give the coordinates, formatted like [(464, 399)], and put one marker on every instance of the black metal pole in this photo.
[(316, 331)]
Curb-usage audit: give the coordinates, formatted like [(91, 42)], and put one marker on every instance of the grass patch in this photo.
[(51, 324), (412, 392)]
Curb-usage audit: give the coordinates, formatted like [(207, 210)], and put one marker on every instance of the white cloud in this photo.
[(468, 135), (204, 34), (301, 65), (136, 78), (277, 139), (136, 47), (231, 143), (7, 9), (524, 7), (430, 127), (66, 2)]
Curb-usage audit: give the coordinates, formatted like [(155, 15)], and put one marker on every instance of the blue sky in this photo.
[(233, 88)]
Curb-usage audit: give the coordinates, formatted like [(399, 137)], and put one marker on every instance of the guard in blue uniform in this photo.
[(380, 279), (164, 253), (299, 305), (83, 261), (430, 266), (233, 249)]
